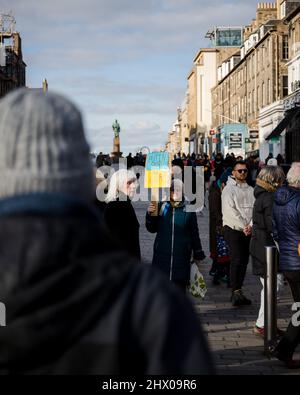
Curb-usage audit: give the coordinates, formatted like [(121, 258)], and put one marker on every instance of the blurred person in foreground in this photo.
[(75, 303), (286, 229)]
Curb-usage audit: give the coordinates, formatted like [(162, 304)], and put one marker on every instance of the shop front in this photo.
[(290, 124)]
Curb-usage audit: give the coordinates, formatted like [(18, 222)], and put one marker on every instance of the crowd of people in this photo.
[(242, 222), (78, 298), (139, 159)]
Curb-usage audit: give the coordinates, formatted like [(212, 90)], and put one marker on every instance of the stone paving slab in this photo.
[(229, 330)]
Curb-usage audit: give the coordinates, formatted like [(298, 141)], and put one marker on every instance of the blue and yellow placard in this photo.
[(157, 174)]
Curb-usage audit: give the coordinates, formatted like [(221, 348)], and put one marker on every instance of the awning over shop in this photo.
[(283, 124)]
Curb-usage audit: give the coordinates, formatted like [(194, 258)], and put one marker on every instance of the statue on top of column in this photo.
[(116, 128)]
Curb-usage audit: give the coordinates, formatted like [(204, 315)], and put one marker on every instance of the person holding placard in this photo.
[(177, 240)]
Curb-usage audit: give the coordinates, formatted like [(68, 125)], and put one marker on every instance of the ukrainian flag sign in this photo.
[(157, 174)]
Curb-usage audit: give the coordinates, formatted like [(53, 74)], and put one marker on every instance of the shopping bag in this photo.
[(197, 286)]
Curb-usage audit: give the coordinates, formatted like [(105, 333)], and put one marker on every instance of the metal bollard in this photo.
[(270, 285)]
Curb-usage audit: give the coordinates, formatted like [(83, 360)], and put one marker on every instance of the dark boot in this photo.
[(239, 299)]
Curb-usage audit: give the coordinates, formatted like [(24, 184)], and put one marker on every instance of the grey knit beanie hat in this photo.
[(43, 147)]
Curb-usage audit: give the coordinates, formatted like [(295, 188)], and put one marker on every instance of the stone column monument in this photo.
[(116, 154)]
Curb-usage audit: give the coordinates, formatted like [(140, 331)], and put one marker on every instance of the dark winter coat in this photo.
[(124, 226), (286, 227), (215, 216), (207, 170), (262, 226), (76, 305), (100, 207), (219, 169), (177, 238)]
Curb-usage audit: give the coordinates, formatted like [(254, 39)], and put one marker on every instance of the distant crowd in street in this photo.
[(139, 159)]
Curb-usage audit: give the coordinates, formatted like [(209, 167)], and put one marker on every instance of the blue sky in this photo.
[(120, 59)]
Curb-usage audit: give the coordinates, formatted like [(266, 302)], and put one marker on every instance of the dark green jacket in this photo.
[(177, 239)]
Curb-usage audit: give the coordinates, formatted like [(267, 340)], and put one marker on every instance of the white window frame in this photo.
[(283, 10)]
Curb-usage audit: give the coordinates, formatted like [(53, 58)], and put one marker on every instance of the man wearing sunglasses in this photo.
[(237, 206)]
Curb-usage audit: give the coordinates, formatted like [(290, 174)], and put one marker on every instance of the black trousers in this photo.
[(238, 245), (291, 338)]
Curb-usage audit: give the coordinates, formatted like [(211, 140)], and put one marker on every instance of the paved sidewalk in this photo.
[(229, 329)]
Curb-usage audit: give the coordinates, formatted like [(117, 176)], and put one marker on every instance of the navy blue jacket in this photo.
[(177, 238), (286, 227)]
